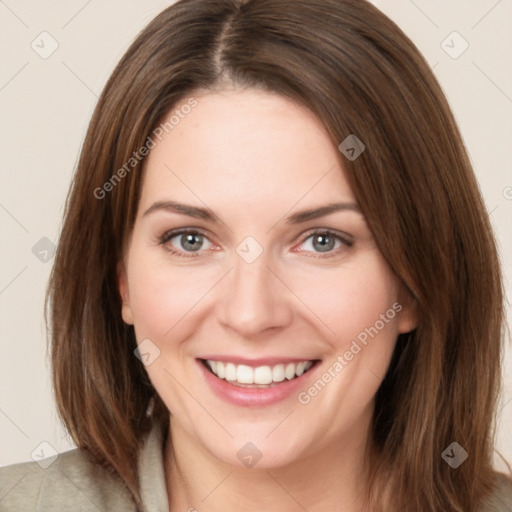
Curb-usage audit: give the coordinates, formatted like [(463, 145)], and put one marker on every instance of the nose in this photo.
[(254, 299)]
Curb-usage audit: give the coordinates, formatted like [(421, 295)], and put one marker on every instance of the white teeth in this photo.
[(289, 371), (278, 373), (230, 371), (221, 372), (244, 374), (261, 375)]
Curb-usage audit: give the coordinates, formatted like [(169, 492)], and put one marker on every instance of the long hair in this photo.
[(360, 75)]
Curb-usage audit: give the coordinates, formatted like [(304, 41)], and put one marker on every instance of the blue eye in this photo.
[(190, 241), (184, 241), (325, 242), (317, 244)]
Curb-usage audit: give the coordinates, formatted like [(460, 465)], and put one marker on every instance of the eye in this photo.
[(181, 242), (325, 242), (190, 242)]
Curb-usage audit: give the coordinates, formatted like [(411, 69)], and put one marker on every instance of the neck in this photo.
[(330, 479)]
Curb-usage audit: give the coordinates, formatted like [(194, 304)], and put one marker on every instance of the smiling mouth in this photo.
[(260, 376)]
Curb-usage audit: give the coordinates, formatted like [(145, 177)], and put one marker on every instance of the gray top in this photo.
[(74, 484), (71, 483)]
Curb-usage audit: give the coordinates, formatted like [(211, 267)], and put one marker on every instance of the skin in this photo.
[(254, 158)]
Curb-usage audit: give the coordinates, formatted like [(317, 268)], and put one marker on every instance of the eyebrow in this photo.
[(185, 209), (207, 214), (322, 211)]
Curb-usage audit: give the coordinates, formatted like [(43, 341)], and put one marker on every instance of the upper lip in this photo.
[(266, 361)]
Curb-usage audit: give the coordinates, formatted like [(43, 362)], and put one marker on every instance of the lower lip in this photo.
[(253, 397)]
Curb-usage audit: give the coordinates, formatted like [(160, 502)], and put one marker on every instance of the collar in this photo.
[(150, 464)]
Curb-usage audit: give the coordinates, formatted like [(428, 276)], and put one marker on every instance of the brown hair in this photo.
[(358, 72)]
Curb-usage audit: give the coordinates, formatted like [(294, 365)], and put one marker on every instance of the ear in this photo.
[(407, 307), (122, 285)]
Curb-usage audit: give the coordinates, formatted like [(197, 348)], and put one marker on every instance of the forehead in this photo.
[(249, 148)]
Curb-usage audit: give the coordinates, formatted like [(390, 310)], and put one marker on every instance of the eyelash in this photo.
[(343, 238)]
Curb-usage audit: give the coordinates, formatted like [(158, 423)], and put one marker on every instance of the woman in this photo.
[(276, 286)]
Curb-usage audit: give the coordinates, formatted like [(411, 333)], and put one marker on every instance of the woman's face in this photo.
[(239, 262)]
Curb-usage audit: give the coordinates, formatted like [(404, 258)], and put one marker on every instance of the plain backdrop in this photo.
[(45, 105)]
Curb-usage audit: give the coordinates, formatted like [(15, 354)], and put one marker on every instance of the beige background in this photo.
[(45, 106)]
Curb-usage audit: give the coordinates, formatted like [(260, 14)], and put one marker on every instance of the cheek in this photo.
[(351, 300), (163, 296), (360, 304)]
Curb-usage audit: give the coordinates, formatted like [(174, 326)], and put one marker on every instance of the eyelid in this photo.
[(171, 233), (342, 235)]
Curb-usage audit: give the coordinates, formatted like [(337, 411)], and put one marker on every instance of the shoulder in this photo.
[(501, 499), (69, 482)]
